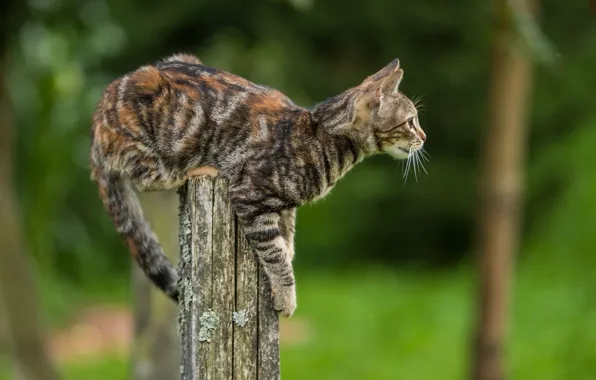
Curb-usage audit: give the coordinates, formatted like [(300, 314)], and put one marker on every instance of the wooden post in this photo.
[(227, 324)]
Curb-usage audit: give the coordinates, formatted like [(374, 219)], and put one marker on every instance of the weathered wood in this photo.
[(245, 338), (202, 281), (268, 361), (185, 316), (223, 279), (228, 327)]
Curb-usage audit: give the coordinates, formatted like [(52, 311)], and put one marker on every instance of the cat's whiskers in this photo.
[(415, 159), (408, 165), (417, 100), (425, 155), (418, 103), (415, 164), (378, 140), (405, 176), (420, 160)]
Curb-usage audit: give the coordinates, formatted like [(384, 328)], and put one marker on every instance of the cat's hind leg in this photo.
[(148, 174)]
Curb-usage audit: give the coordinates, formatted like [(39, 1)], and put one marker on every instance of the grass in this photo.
[(381, 325), (110, 367), (378, 324)]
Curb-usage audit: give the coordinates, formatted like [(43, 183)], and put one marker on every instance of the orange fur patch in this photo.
[(130, 119), (132, 247), (147, 80), (192, 92), (103, 192), (214, 83), (268, 104), (203, 170)]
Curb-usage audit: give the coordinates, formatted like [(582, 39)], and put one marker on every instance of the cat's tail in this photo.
[(122, 204)]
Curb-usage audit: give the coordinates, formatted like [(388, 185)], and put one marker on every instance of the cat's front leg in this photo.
[(287, 225), (265, 236)]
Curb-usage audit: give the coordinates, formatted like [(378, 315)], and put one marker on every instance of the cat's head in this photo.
[(387, 116)]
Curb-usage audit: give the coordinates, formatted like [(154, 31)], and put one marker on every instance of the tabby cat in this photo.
[(156, 126)]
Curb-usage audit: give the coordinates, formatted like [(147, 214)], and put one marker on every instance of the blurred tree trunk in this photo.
[(501, 189), (156, 349), (4, 337), (17, 288)]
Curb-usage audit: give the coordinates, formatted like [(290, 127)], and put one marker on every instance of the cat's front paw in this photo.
[(284, 299)]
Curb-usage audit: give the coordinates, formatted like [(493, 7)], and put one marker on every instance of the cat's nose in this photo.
[(422, 135)]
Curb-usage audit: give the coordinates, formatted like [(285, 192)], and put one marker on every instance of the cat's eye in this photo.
[(411, 123)]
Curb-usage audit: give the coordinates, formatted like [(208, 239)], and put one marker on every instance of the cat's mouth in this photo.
[(398, 152), (403, 153)]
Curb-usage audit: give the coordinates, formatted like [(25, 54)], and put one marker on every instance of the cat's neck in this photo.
[(343, 144), (335, 117), (334, 114)]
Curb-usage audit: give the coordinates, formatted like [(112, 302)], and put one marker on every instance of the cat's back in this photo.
[(206, 77), (174, 101), (215, 85), (186, 83)]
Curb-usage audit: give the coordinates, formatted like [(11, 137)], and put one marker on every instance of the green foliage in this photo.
[(68, 51)]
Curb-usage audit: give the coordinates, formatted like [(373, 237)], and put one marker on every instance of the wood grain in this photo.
[(221, 287)]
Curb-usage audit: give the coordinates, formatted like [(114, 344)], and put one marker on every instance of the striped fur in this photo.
[(155, 126)]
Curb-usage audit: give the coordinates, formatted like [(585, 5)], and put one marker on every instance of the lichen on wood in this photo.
[(240, 318), (209, 321)]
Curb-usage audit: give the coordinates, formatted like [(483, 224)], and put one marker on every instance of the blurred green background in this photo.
[(385, 268)]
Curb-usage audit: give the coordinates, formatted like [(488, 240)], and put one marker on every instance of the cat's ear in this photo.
[(390, 84), (364, 106), (386, 71), (384, 81)]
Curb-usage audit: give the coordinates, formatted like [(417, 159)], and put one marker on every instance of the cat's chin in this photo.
[(397, 152)]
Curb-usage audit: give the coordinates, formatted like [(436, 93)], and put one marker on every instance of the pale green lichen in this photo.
[(240, 318), (186, 298), (185, 241), (185, 227), (208, 322), (184, 283)]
